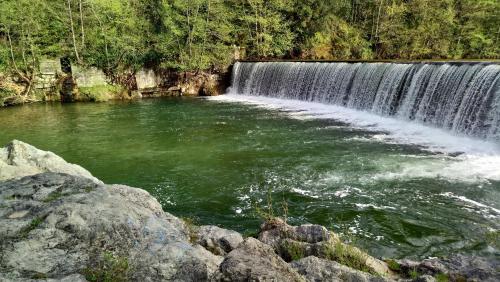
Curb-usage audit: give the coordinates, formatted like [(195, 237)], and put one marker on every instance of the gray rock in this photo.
[(18, 159), (315, 269), (425, 278), (293, 242), (65, 224), (456, 267), (272, 231), (256, 261), (218, 240)]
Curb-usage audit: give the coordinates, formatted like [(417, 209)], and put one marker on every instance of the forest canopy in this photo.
[(204, 34)]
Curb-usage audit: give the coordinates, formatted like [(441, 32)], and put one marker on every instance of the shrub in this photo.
[(109, 268)]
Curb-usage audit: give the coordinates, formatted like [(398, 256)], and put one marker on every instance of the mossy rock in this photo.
[(101, 93)]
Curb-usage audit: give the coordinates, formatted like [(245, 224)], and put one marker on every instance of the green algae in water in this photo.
[(216, 162)]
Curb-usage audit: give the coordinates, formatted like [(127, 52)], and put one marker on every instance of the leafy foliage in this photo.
[(124, 35)]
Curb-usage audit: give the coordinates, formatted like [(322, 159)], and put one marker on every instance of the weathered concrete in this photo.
[(88, 77), (47, 78), (147, 80)]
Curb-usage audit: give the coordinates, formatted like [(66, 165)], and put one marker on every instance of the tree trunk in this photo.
[(73, 32), (378, 18), (16, 69), (81, 23)]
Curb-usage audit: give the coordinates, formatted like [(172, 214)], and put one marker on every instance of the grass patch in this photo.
[(251, 233), (192, 228), (39, 276), (441, 277), (493, 238), (53, 196), (110, 268), (393, 265), (413, 274), (295, 250), (30, 227), (347, 255)]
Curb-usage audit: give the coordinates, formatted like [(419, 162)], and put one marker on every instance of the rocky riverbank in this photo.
[(88, 84), (59, 223)]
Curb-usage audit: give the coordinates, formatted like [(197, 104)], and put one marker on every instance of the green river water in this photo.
[(217, 162)]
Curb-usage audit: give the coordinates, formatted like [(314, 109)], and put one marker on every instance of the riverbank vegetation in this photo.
[(122, 35)]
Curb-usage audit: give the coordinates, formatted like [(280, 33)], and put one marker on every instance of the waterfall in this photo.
[(463, 98)]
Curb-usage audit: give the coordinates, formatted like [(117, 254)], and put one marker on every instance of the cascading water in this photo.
[(462, 98)]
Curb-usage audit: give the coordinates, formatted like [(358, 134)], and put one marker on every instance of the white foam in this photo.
[(479, 162), (465, 168), (404, 132), (471, 202), (365, 206), (304, 193)]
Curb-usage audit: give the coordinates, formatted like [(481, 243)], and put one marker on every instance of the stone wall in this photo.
[(173, 83), (147, 80), (49, 71), (88, 77)]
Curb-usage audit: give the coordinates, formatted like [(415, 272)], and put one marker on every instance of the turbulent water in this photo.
[(218, 162), (462, 98)]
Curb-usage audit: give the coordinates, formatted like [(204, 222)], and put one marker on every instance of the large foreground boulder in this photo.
[(19, 159), (55, 225)]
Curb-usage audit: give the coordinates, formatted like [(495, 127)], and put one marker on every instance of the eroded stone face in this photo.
[(59, 224)]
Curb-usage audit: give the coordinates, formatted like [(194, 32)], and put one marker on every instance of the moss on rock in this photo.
[(100, 93)]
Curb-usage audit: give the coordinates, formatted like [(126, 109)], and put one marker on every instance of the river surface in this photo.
[(220, 160)]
